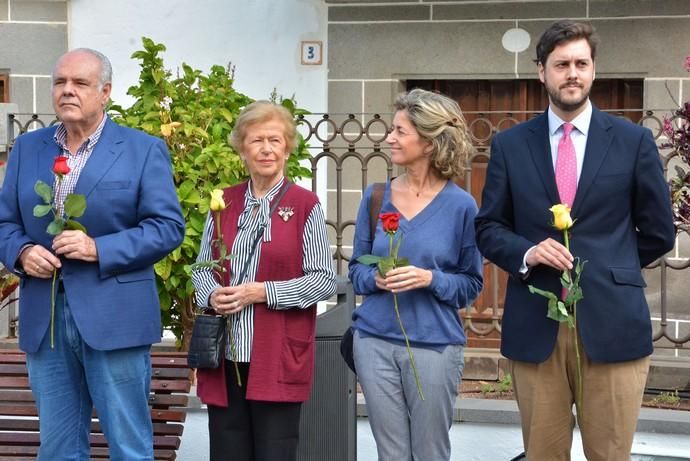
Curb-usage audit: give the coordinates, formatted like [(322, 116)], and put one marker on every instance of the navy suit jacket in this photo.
[(132, 213), (624, 222)]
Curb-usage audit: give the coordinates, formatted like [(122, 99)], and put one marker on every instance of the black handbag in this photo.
[(347, 341), (346, 348), (207, 346)]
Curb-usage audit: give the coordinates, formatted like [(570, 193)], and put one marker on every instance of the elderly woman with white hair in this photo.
[(271, 306)]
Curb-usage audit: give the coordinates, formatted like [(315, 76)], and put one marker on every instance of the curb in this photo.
[(651, 420)]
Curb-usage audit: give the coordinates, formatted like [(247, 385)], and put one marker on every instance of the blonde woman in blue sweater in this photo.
[(430, 140)]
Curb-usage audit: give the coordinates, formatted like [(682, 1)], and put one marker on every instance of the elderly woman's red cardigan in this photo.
[(282, 362)]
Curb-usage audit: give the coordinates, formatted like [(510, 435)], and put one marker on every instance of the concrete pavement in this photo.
[(489, 430)]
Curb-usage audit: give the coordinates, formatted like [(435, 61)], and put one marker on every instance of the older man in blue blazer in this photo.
[(608, 171), (107, 311)]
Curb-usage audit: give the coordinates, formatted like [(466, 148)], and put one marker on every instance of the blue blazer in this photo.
[(624, 222), (134, 216)]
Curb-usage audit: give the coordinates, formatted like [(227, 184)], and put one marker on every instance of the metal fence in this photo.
[(349, 152)]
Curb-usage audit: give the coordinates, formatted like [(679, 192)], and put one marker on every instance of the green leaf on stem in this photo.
[(540, 292), (42, 210), (368, 259), (75, 205), (56, 226), (71, 224), (44, 191), (557, 311), (400, 262), (385, 265), (579, 267)]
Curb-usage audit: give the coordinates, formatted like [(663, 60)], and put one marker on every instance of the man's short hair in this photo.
[(106, 75), (565, 31)]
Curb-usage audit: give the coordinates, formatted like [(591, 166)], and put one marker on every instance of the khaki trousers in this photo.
[(545, 393)]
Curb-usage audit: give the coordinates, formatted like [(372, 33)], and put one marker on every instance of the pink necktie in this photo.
[(566, 167)]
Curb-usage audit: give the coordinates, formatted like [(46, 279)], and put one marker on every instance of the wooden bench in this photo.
[(19, 438)]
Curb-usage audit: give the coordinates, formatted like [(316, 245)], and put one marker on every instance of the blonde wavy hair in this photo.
[(260, 112), (439, 119)]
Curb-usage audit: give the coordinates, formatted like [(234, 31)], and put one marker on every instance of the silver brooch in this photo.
[(285, 212)]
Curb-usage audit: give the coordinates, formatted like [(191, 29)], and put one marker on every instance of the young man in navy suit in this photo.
[(107, 312), (611, 175)]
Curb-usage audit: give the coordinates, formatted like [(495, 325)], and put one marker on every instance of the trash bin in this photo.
[(328, 426)]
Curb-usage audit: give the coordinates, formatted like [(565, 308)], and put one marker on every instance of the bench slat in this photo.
[(19, 438), (29, 453), (31, 425)]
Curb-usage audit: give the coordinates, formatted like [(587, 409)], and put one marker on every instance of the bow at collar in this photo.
[(260, 217)]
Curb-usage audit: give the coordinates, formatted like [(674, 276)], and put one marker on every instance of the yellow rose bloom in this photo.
[(166, 129), (561, 217), (217, 202)]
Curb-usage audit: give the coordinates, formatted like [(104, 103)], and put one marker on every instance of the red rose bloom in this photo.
[(60, 166), (390, 222)]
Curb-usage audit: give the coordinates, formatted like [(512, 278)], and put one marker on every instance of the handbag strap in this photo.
[(375, 207), (262, 228)]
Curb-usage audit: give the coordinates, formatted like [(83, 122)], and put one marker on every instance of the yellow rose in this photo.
[(167, 129), (561, 217), (217, 202)]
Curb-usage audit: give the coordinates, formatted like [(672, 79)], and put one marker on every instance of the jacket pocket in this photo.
[(296, 361), (135, 276), (113, 185), (625, 276)]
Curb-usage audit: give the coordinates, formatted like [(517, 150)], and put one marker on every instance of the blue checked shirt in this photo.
[(75, 161)]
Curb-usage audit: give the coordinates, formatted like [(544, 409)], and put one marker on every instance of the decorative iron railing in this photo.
[(349, 152)]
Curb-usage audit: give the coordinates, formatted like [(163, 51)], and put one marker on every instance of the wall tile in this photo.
[(36, 10), (379, 13), (618, 8), (35, 47), (417, 50), (344, 97), (21, 93), (520, 10)]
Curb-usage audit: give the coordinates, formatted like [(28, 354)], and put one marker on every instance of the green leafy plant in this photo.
[(487, 388), (667, 398), (194, 112), (505, 384), (8, 283)]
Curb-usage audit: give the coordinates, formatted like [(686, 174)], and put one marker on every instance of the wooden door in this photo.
[(491, 106), (4, 88)]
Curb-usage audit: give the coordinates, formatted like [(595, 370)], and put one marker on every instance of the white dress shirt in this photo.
[(579, 138)]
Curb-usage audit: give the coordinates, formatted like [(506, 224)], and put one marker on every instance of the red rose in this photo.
[(390, 222), (60, 166)]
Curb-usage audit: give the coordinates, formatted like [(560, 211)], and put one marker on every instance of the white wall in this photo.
[(261, 37)]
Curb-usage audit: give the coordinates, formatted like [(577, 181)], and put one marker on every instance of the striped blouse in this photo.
[(317, 283)]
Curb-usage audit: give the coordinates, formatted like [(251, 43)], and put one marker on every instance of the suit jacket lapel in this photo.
[(539, 147), (597, 148), (46, 158), (106, 152)]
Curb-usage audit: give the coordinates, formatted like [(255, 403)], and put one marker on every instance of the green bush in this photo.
[(194, 112)]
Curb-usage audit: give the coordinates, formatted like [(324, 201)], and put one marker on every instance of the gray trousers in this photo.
[(405, 427)]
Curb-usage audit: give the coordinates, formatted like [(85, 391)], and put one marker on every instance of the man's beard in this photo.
[(567, 106)]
